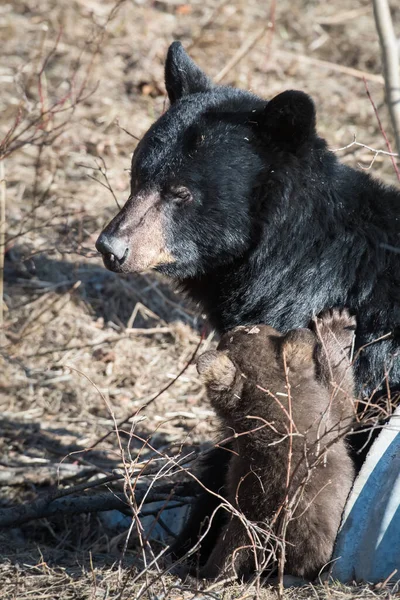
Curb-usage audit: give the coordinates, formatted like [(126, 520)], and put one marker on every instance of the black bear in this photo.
[(240, 202), (289, 472)]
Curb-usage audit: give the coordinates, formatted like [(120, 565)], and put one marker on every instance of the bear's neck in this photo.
[(275, 290), (327, 251)]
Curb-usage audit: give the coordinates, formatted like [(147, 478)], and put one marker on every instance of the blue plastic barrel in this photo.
[(368, 543)]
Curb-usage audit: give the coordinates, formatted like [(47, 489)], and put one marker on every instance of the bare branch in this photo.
[(329, 66), (155, 397), (391, 63), (18, 515), (382, 130), (59, 504), (2, 242), (241, 53)]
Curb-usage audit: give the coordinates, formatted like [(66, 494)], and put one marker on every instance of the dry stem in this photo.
[(391, 63), (389, 147), (2, 246)]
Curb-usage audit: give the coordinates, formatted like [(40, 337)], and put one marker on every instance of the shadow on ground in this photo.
[(108, 296), (43, 461)]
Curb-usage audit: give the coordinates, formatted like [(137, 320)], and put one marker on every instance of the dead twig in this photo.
[(330, 66), (270, 31), (41, 129), (206, 23), (2, 245), (241, 53), (41, 474), (102, 169), (153, 399), (360, 145), (344, 17), (60, 503), (43, 508), (132, 135), (388, 144), (391, 63), (134, 331)]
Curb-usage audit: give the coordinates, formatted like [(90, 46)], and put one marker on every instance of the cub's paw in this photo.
[(335, 327), (216, 370)]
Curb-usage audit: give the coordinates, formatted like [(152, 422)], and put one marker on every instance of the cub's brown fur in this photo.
[(287, 445)]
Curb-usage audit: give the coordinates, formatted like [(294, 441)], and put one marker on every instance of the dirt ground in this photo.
[(84, 348)]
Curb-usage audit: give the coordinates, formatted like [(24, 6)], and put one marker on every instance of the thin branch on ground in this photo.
[(241, 53), (330, 66), (153, 399), (206, 23), (44, 508), (61, 502)]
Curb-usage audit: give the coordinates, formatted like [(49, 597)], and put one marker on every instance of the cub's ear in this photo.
[(182, 75), (216, 370), (298, 347), (290, 119)]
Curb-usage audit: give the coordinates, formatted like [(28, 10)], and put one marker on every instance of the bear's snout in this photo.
[(134, 241)]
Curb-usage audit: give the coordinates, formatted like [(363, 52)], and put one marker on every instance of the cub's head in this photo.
[(197, 174)]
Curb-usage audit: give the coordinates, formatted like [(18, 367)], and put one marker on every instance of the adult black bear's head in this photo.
[(197, 174)]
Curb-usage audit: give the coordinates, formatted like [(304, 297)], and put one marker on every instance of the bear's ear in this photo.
[(182, 75), (298, 348), (216, 370), (290, 119)]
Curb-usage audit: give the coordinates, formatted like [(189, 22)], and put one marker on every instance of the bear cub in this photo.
[(285, 403)]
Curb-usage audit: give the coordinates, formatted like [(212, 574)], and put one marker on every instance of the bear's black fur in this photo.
[(257, 220)]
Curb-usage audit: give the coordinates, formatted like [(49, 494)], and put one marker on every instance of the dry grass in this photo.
[(39, 580), (80, 341)]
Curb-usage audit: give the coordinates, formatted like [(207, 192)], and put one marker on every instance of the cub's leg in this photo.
[(213, 476), (232, 553)]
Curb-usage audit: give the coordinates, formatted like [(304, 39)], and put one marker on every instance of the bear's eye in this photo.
[(181, 195)]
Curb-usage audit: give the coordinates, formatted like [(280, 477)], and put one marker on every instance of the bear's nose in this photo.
[(112, 245)]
